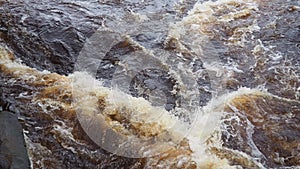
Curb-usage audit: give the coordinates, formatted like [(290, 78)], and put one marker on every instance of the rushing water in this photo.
[(150, 84)]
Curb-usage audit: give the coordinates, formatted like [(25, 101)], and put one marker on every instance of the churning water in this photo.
[(162, 85)]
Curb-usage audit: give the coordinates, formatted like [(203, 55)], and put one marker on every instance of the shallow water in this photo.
[(159, 84)]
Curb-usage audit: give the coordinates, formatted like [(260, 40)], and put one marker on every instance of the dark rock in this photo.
[(50, 40), (13, 153), (150, 80), (49, 36), (264, 127), (4, 163)]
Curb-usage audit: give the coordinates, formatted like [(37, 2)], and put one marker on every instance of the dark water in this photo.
[(222, 45)]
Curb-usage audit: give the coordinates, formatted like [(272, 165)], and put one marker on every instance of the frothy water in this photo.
[(208, 98), (101, 110)]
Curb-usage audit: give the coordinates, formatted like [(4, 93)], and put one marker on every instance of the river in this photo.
[(151, 84)]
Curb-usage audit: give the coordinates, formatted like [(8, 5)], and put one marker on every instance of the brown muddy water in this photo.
[(153, 84)]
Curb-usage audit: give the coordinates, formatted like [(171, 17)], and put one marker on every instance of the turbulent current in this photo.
[(152, 84)]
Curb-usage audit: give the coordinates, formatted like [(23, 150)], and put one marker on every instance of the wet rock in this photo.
[(2, 103), (4, 163), (49, 36), (13, 153), (280, 31), (151, 80), (265, 127), (145, 37), (55, 138), (44, 37), (46, 145)]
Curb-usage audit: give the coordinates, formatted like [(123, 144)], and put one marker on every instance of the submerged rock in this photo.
[(265, 127), (54, 140), (255, 43)]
